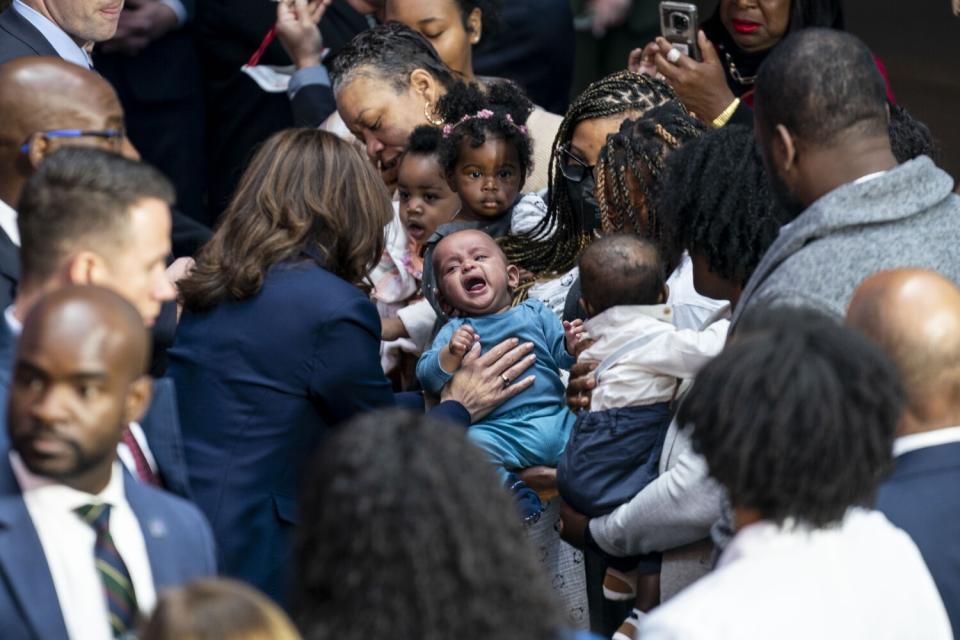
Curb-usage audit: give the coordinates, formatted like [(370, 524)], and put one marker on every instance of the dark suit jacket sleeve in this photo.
[(347, 377), (451, 411), (312, 104)]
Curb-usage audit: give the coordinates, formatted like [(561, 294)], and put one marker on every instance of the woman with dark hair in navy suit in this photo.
[(277, 343)]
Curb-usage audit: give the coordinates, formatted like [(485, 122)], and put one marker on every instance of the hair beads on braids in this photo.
[(619, 93), (631, 167)]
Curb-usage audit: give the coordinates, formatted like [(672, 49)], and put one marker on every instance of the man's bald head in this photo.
[(78, 381), (95, 317), (914, 315), (42, 94)]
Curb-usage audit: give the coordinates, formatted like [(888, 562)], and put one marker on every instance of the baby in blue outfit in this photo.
[(475, 282)]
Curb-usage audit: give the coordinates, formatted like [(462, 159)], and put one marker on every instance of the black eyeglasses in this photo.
[(572, 166), (115, 135)]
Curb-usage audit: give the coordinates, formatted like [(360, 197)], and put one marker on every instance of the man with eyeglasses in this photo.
[(47, 104)]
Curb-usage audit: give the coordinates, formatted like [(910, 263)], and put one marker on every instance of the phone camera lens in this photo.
[(679, 22)]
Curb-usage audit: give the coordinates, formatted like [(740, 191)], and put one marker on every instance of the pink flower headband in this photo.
[(483, 114)]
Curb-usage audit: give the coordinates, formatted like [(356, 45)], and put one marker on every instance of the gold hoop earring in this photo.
[(431, 116)]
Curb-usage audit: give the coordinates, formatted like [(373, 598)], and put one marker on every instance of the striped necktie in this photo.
[(117, 586)]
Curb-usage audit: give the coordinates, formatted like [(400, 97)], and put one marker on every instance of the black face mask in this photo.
[(584, 202)]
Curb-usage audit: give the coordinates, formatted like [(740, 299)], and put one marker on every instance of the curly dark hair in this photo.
[(623, 93), (424, 140), (716, 201), (796, 417), (510, 107), (407, 533), (631, 167), (909, 138), (389, 52)]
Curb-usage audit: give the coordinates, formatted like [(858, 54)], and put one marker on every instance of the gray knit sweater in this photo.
[(907, 217)]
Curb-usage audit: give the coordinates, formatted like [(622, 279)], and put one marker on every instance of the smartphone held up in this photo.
[(679, 24)]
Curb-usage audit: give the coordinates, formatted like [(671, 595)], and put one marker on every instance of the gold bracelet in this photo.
[(726, 114)]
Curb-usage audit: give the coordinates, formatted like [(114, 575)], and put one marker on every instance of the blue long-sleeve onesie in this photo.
[(531, 428)]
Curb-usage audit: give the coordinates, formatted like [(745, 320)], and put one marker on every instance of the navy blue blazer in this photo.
[(19, 38), (922, 498), (260, 382), (161, 424), (178, 540)]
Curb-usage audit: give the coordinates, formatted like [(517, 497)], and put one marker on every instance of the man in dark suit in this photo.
[(152, 64), (915, 316), (88, 216), (84, 549)]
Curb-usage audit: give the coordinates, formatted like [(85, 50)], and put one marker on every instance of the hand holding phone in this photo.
[(679, 24)]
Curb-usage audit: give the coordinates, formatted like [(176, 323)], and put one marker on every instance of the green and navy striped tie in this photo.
[(117, 587)]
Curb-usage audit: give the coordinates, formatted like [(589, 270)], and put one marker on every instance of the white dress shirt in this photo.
[(65, 46), (864, 579), (642, 354), (8, 222), (912, 442), (690, 309), (68, 545)]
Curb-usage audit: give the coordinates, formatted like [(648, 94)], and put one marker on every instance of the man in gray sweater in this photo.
[(821, 122)]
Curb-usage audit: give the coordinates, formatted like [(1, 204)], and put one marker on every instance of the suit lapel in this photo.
[(21, 29), (155, 528), (23, 561)]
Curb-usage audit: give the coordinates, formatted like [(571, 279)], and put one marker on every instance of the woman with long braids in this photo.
[(550, 249), (572, 211), (629, 173)]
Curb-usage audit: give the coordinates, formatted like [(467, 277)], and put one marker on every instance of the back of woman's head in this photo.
[(623, 93), (219, 609), (305, 193), (716, 201), (631, 167), (389, 52), (407, 533)]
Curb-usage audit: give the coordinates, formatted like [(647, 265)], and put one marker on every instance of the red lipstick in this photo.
[(744, 26)]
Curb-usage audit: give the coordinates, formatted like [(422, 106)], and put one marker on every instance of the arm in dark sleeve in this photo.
[(347, 378), (311, 96), (451, 411), (742, 115)]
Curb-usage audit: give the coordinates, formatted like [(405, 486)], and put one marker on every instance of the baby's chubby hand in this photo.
[(572, 332), (463, 340)]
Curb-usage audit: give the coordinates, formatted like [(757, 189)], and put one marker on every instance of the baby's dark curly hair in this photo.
[(716, 201), (407, 533), (631, 167), (509, 109), (424, 140)]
